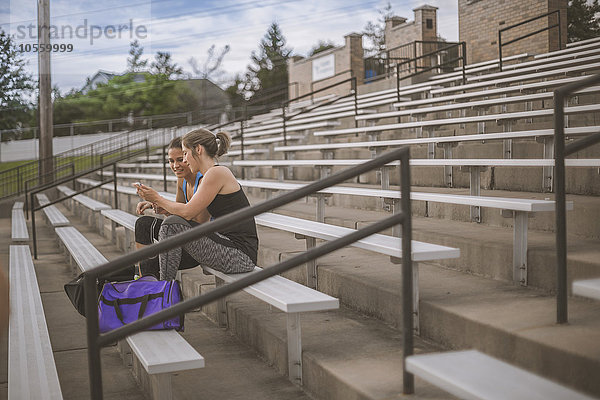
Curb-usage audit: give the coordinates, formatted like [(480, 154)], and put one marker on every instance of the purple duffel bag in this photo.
[(123, 302)]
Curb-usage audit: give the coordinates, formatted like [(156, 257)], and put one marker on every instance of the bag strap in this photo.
[(116, 303)]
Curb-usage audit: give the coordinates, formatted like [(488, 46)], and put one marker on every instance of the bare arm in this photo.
[(179, 197), (213, 182)]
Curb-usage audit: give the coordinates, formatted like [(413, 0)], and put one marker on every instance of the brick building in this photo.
[(424, 27), (327, 68), (480, 20)]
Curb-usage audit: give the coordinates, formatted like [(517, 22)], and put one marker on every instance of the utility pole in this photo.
[(46, 164)]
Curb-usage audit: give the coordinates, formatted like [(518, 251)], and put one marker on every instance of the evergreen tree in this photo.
[(323, 45), (164, 66), (16, 87), (135, 62), (374, 32), (267, 76), (583, 21)]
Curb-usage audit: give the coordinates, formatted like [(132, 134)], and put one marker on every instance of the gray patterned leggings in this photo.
[(204, 250)]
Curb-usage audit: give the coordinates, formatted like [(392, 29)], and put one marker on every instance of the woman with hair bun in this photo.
[(147, 227), (233, 250)]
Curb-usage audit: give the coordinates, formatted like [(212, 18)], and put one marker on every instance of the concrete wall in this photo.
[(480, 20), (348, 63)]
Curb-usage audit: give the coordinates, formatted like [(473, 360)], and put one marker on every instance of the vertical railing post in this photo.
[(464, 61), (115, 185), (561, 220), (355, 90), (284, 124), (398, 80), (33, 227), (559, 32), (147, 151), (91, 312), (500, 50), (408, 380), (164, 167), (27, 199)]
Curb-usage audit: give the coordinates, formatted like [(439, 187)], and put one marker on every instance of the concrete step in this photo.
[(460, 311), (345, 355)]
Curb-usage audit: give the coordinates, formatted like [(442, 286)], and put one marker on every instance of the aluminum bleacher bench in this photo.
[(293, 128), (587, 288), (382, 144), (269, 140), (31, 368), (53, 215), (582, 42), (460, 120), (93, 206), (161, 353), (290, 297), (470, 374), (545, 85), (572, 47), (519, 78), (465, 105), (518, 209), (18, 229)]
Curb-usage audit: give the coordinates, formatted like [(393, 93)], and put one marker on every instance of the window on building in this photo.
[(429, 23)]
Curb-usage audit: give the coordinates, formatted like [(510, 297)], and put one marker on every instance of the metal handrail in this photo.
[(27, 169), (500, 44), (70, 165), (462, 57), (73, 178), (96, 340), (560, 152)]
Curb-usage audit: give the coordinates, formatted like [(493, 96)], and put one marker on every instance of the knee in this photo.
[(171, 225), (143, 227), (175, 219)]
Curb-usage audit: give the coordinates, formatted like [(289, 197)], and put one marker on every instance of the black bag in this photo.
[(75, 291)]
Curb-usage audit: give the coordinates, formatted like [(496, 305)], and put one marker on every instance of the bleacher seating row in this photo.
[(467, 373)]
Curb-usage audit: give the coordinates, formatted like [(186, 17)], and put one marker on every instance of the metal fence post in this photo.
[(561, 220)]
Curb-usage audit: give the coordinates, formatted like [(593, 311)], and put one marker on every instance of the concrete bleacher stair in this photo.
[(507, 332)]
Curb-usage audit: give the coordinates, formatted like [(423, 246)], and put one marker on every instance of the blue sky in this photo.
[(187, 28)]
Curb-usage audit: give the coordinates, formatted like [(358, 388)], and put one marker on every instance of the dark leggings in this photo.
[(206, 251), (146, 233)]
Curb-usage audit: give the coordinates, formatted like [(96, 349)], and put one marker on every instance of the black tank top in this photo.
[(241, 236)]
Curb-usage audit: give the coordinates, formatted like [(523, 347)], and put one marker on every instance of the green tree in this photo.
[(267, 76), (583, 22), (374, 32), (320, 47), (16, 87), (135, 62), (164, 66)]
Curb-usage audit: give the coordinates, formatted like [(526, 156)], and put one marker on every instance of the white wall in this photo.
[(18, 150)]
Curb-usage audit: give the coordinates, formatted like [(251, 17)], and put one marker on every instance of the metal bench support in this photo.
[(294, 339)]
